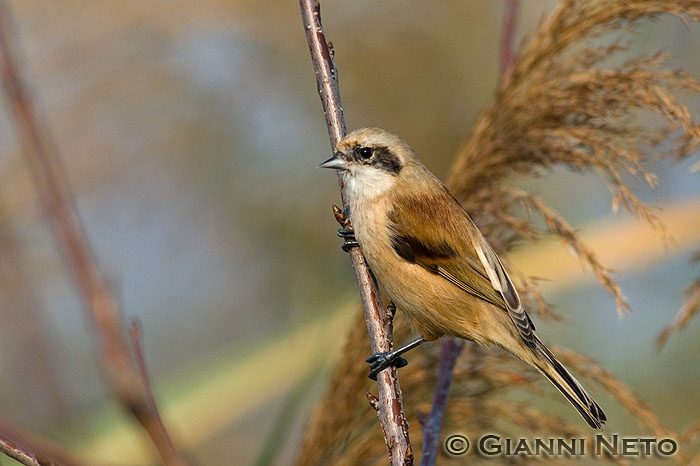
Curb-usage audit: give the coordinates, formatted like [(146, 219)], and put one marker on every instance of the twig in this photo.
[(22, 455), (373, 400), (54, 190), (432, 425), (151, 419), (379, 322), (136, 334), (28, 449), (510, 15)]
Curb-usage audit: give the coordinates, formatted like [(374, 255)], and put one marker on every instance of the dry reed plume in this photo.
[(687, 312), (566, 101)]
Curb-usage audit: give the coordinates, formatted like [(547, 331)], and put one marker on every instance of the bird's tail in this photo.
[(551, 368)]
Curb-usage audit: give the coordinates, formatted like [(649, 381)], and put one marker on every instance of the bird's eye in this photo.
[(365, 152)]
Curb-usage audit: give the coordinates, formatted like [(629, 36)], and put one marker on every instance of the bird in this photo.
[(432, 261)]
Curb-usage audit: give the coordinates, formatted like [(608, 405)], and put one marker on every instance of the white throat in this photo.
[(364, 183)]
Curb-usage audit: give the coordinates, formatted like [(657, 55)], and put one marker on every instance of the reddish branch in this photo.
[(23, 456), (54, 190), (30, 450), (379, 320), (153, 423), (510, 15)]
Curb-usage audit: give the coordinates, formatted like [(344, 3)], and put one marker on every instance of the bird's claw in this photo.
[(348, 234), (348, 245), (380, 361)]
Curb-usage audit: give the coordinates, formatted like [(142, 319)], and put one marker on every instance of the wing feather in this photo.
[(465, 286), (466, 260)]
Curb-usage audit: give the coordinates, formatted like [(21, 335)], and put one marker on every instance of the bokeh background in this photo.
[(191, 132)]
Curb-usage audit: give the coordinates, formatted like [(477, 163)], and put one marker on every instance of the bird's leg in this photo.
[(348, 234), (380, 361)]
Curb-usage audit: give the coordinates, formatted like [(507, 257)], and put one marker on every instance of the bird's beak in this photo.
[(336, 162)]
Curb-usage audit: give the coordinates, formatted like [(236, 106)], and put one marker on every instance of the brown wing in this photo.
[(447, 243)]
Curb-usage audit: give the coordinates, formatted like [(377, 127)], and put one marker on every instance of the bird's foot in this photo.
[(380, 361), (348, 234)]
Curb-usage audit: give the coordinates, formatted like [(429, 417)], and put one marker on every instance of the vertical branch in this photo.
[(510, 15), (379, 321), (432, 425), (59, 205)]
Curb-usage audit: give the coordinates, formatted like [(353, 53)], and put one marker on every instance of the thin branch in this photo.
[(28, 449), (432, 425), (510, 15), (379, 320), (136, 335), (22, 455), (150, 419), (59, 204)]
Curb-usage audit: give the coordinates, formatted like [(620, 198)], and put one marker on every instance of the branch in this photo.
[(150, 418), (22, 455), (379, 321), (510, 15), (432, 425), (29, 450), (59, 204)]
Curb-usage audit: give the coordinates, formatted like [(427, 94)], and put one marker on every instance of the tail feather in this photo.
[(570, 388)]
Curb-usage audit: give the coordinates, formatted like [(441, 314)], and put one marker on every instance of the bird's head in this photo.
[(371, 159)]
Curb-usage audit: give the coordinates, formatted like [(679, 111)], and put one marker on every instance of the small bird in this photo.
[(433, 262)]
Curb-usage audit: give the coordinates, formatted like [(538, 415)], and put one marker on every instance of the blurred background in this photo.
[(191, 132)]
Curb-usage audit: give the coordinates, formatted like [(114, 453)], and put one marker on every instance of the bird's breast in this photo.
[(436, 306), (414, 290)]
